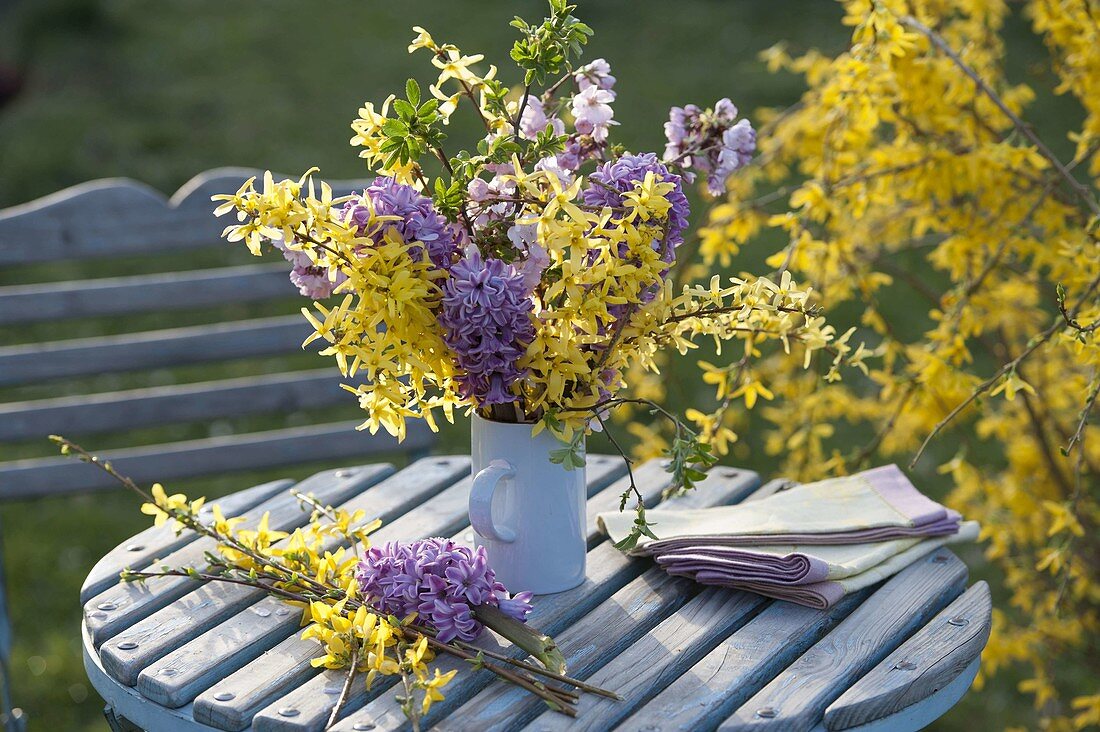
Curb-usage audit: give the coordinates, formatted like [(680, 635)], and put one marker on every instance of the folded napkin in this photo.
[(825, 594), (812, 544), (874, 505)]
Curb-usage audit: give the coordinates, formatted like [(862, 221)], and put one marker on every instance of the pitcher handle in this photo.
[(481, 501)]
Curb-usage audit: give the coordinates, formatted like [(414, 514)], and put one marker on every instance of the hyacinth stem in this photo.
[(536, 644)]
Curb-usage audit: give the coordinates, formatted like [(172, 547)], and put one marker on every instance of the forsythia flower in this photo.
[(164, 506)]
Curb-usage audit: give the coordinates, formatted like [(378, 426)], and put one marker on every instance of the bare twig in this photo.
[(633, 487), (1079, 433), (520, 111), (887, 428), (553, 700), (346, 689)]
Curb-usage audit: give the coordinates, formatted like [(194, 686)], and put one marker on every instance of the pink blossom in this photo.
[(592, 112), (534, 120), (597, 74)]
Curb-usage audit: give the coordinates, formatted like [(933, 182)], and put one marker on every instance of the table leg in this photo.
[(118, 723)]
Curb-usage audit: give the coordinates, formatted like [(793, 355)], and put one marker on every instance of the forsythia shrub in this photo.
[(906, 173)]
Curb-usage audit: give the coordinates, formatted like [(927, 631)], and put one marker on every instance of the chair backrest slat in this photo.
[(154, 349), (118, 216), (101, 219), (293, 446), (143, 293), (127, 410)]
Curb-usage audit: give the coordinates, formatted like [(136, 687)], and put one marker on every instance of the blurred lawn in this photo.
[(159, 92)]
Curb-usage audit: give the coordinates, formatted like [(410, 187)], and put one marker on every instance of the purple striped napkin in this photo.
[(811, 544)]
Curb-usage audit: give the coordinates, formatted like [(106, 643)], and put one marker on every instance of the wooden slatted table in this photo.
[(176, 655)]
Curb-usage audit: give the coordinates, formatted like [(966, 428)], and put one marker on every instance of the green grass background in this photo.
[(161, 91)]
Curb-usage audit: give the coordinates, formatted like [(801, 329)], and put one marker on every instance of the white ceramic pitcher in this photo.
[(527, 512)]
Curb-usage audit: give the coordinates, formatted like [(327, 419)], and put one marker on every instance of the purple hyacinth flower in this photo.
[(418, 219), (516, 606), (454, 620), (486, 318), (438, 579), (311, 280), (713, 142)]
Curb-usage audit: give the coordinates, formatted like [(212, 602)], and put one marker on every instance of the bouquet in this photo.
[(528, 276)]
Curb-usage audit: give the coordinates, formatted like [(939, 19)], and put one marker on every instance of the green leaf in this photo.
[(412, 92), (395, 128), (404, 110), (637, 531), (558, 457), (628, 542), (391, 144)]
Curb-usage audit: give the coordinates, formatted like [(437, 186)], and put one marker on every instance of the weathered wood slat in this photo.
[(158, 541), (798, 697), (310, 702), (922, 714), (117, 216), (929, 661), (39, 362), (602, 635), (126, 702), (727, 676), (137, 408), (608, 571), (177, 677), (122, 606), (773, 486), (230, 703), (233, 453), (657, 659), (95, 219), (144, 293)]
